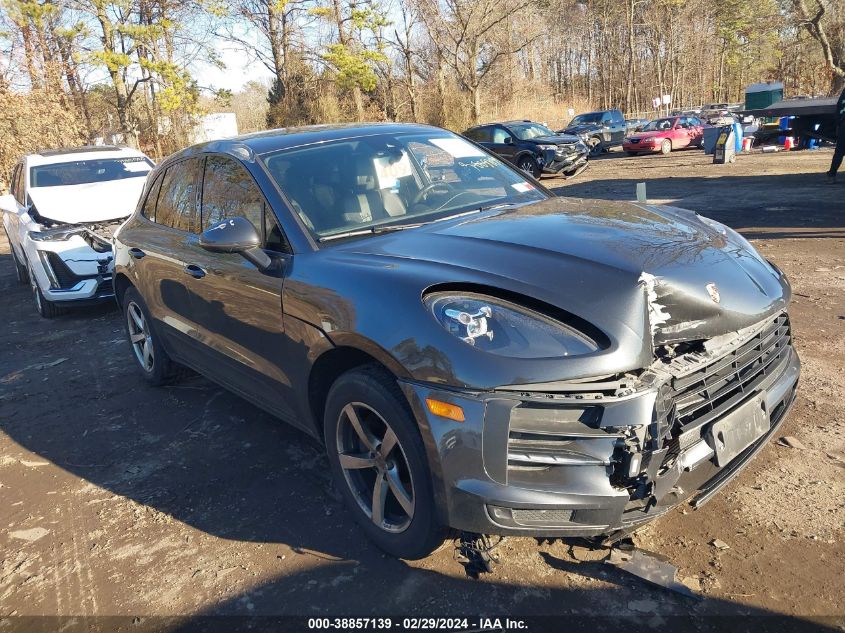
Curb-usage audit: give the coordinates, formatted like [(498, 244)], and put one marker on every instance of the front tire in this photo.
[(21, 273), (153, 362), (379, 463), (666, 146), (529, 166), (596, 146), (46, 308)]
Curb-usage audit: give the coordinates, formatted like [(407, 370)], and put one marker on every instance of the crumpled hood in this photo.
[(597, 259), (557, 139), (90, 202)]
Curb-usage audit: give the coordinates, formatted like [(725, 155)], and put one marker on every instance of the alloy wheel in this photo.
[(140, 336), (375, 467), (527, 165)]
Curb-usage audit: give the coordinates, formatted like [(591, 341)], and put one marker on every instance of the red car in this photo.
[(664, 135)]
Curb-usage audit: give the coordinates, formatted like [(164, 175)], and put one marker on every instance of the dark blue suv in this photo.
[(533, 147)]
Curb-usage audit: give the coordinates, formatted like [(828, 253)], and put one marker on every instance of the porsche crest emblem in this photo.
[(713, 291)]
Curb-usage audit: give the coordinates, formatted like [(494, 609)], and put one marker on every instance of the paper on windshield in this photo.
[(457, 147), (389, 173), (522, 187)]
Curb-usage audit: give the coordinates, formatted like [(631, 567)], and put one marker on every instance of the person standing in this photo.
[(839, 152)]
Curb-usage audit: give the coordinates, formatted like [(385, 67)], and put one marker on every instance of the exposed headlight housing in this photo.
[(503, 328), (552, 148), (54, 235)]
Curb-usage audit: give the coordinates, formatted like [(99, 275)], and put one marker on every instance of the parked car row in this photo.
[(474, 352)]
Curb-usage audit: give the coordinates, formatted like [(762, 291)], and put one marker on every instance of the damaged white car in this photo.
[(63, 210)]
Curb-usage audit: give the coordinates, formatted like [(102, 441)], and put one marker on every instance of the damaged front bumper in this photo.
[(608, 455), (73, 262)]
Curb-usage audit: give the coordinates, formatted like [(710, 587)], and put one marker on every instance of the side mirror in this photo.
[(236, 235), (8, 203), (508, 140)]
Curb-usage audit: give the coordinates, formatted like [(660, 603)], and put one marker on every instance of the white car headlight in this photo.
[(503, 328), (53, 235)]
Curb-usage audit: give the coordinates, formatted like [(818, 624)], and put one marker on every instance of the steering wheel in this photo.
[(422, 193)]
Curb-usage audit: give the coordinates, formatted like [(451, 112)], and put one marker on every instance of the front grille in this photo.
[(541, 517), (635, 141), (707, 392), (65, 276), (106, 287)]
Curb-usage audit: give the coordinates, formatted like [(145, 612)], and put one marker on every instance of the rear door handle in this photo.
[(137, 253), (194, 271)]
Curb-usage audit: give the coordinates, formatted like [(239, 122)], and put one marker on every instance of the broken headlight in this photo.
[(53, 235), (506, 329)]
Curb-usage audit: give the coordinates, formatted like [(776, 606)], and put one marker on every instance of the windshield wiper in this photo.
[(373, 230), (390, 228)]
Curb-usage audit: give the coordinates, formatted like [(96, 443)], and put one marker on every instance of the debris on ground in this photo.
[(642, 606), (791, 442), (650, 567), (719, 544), (475, 553), (40, 366)]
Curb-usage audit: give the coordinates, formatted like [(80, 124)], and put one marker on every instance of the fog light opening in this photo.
[(445, 410)]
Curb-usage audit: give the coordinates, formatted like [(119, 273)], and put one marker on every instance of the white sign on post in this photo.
[(667, 99), (656, 102)]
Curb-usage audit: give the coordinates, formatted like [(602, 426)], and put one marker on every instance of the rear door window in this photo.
[(149, 208), (481, 135), (177, 201)]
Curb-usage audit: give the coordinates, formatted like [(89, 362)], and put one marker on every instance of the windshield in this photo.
[(382, 180), (81, 172), (659, 125), (527, 131), (589, 117)]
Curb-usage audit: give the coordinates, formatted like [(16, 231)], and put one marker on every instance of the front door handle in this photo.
[(137, 253), (194, 271)]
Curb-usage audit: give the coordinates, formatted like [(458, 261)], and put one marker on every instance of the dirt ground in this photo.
[(121, 499)]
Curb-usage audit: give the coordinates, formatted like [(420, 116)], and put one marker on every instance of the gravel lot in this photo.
[(121, 499)]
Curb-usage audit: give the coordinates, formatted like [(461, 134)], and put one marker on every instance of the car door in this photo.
[(157, 243), (503, 143), (697, 127), (679, 133), (237, 308), (614, 123)]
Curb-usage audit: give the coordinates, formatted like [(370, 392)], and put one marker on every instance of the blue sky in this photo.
[(239, 70)]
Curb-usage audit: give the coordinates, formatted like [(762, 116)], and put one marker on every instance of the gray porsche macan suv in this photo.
[(475, 352)]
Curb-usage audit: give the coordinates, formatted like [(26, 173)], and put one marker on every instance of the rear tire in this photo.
[(46, 308), (379, 463), (151, 359), (666, 146)]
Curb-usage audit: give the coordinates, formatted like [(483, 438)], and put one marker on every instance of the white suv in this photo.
[(63, 209)]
